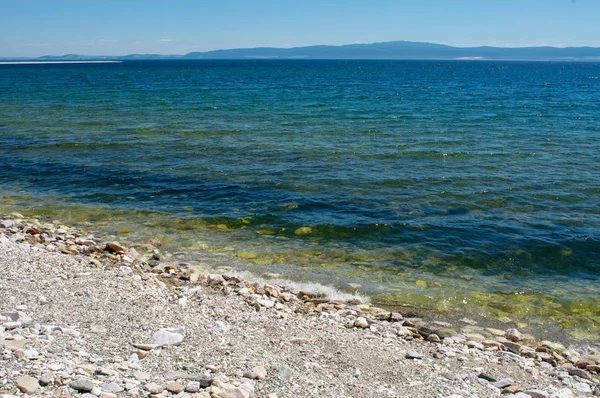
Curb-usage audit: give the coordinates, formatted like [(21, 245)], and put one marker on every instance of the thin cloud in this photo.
[(165, 40)]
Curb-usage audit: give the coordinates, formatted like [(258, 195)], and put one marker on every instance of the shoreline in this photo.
[(239, 261), (375, 341)]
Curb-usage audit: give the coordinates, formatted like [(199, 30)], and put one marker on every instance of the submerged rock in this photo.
[(303, 231)]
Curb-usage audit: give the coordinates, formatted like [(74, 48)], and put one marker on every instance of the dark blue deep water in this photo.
[(472, 185)]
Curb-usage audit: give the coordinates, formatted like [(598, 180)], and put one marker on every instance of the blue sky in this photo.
[(116, 27)]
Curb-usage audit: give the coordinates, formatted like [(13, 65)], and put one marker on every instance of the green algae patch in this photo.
[(303, 231), (247, 255)]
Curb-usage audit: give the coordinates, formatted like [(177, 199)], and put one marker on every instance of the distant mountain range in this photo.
[(386, 50)]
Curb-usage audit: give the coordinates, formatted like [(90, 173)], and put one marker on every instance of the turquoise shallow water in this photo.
[(454, 185)]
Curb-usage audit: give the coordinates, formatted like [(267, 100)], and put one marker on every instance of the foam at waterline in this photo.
[(326, 291)]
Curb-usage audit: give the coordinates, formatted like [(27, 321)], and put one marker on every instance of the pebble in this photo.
[(579, 372), (27, 384), (537, 393), (434, 338), (12, 325), (142, 376), (111, 387), (503, 383), (115, 247), (192, 386), (285, 373), (553, 346), (414, 355), (29, 354), (361, 322), (513, 335), (154, 388), (168, 337), (82, 385), (175, 387), (229, 391), (257, 373), (512, 390), (564, 393), (582, 387)]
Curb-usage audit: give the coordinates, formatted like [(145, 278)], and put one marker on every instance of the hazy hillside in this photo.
[(386, 50)]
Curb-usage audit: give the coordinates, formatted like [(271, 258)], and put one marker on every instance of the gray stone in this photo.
[(414, 355), (192, 386), (248, 387), (82, 385), (125, 271), (582, 387), (27, 384), (579, 372), (154, 388), (142, 376), (285, 373), (503, 383), (45, 380), (111, 387), (537, 394), (564, 393), (168, 336)]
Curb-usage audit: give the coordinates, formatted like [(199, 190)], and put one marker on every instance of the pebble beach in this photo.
[(84, 317)]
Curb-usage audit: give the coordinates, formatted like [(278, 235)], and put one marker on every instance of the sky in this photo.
[(30, 28)]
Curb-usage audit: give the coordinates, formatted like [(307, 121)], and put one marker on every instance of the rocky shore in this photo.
[(83, 317)]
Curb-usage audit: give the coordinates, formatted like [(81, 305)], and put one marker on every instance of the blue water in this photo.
[(438, 182)]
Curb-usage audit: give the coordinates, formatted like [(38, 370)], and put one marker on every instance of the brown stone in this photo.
[(511, 390), (593, 368), (115, 247), (175, 387), (27, 384)]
